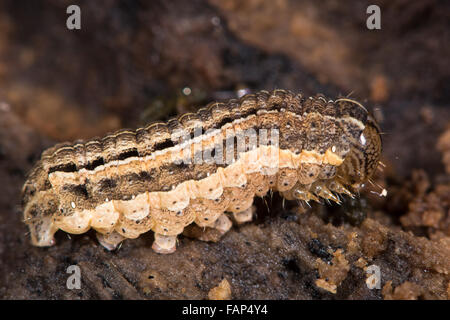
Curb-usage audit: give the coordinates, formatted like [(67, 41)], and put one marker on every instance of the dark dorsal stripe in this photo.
[(96, 163), (223, 122), (65, 167), (79, 190), (128, 154), (168, 143)]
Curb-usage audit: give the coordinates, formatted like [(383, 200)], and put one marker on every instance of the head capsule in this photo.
[(363, 158)]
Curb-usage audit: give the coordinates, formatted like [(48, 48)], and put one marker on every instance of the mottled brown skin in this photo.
[(305, 125)]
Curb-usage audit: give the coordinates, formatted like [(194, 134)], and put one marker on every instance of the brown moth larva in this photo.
[(195, 168)]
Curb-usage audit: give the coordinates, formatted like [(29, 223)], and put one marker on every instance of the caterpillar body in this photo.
[(200, 167)]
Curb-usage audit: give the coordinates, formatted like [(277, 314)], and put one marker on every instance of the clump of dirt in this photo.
[(221, 292), (430, 211), (333, 272), (405, 291)]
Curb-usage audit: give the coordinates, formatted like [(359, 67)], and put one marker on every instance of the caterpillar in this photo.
[(201, 168)]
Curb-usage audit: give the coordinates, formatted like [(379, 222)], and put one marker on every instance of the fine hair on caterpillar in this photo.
[(201, 167)]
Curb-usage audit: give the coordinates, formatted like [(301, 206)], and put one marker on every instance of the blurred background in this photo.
[(133, 62)]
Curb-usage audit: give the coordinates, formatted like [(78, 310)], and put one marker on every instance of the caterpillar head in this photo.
[(363, 158)]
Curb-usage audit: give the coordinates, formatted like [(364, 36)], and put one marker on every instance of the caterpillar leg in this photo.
[(110, 241), (40, 220), (322, 190), (223, 224), (213, 232), (339, 188), (41, 232), (244, 216), (164, 244)]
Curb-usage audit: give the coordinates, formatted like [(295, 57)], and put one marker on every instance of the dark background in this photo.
[(128, 65)]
